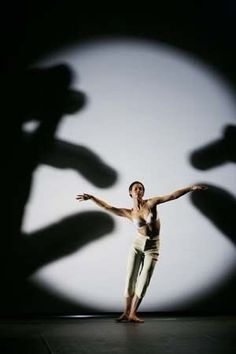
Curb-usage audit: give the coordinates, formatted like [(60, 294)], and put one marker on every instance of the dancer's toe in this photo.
[(123, 318), (135, 319)]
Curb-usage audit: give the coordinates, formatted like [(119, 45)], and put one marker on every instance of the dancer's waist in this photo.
[(155, 237)]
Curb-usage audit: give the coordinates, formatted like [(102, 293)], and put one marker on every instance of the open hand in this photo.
[(82, 197)]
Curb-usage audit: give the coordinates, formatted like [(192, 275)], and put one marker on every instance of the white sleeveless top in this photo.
[(139, 222)]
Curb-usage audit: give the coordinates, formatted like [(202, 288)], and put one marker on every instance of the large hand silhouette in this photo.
[(219, 206), (216, 203), (45, 96)]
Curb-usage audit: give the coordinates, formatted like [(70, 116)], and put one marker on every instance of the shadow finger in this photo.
[(60, 239)]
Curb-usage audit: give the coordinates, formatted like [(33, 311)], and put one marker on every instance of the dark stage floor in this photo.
[(207, 335)]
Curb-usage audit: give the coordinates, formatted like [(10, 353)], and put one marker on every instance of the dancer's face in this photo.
[(137, 191)]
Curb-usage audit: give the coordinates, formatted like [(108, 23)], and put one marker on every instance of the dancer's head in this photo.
[(136, 190)]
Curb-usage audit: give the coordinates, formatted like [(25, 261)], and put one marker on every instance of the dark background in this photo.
[(33, 29)]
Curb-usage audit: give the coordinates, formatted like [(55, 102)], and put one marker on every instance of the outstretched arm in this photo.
[(174, 195), (117, 211)]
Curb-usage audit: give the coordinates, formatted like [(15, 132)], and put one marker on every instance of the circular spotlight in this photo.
[(149, 106)]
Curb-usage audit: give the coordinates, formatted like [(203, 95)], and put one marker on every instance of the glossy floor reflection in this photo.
[(188, 335)]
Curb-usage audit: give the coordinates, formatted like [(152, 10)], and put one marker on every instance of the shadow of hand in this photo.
[(219, 206), (60, 239), (45, 95), (216, 203)]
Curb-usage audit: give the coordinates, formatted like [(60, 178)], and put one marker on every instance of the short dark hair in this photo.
[(131, 186)]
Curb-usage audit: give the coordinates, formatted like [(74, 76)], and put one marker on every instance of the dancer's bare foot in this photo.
[(134, 318), (123, 318)]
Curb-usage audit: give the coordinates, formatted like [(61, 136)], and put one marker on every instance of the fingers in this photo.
[(201, 187), (80, 197)]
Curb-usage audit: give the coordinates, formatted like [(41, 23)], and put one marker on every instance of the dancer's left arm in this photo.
[(175, 195)]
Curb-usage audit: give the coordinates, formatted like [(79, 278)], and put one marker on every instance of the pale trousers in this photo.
[(141, 263)]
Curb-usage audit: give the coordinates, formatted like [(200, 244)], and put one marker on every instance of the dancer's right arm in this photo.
[(117, 211)]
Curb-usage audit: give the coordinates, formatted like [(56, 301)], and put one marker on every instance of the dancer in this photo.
[(145, 248)]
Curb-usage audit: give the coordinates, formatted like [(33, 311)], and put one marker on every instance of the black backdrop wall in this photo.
[(34, 29)]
